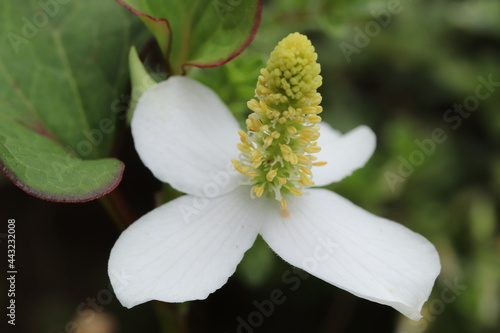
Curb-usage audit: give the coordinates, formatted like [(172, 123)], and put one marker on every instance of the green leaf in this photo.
[(234, 83), (44, 169), (63, 72), (199, 33), (141, 80)]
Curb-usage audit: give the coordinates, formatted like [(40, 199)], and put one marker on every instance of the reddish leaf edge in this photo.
[(251, 37), (217, 63), (108, 188), (149, 17)]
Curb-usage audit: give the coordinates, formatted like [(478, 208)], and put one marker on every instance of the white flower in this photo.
[(188, 248)]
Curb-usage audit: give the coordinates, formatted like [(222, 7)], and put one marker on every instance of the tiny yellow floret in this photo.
[(276, 151)]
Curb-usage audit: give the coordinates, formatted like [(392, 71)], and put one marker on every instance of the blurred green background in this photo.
[(404, 68)]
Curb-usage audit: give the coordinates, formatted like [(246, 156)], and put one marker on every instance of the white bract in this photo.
[(188, 248)]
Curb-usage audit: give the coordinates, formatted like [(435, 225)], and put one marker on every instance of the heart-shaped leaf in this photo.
[(63, 72), (198, 33)]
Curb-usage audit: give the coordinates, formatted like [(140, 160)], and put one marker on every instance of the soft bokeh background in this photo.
[(414, 65)]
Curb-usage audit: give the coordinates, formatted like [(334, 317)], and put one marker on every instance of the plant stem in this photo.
[(173, 316), (118, 209)]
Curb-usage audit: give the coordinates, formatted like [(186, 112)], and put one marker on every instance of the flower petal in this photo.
[(343, 153), (371, 257), (187, 137), (185, 249)]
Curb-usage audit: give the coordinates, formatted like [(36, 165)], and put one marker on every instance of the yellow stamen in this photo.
[(271, 174), (282, 180), (304, 180), (305, 170), (283, 204), (244, 148), (305, 160), (293, 190), (259, 190), (285, 149), (314, 119), (268, 141)]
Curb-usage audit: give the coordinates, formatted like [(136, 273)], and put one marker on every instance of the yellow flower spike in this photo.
[(282, 130)]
